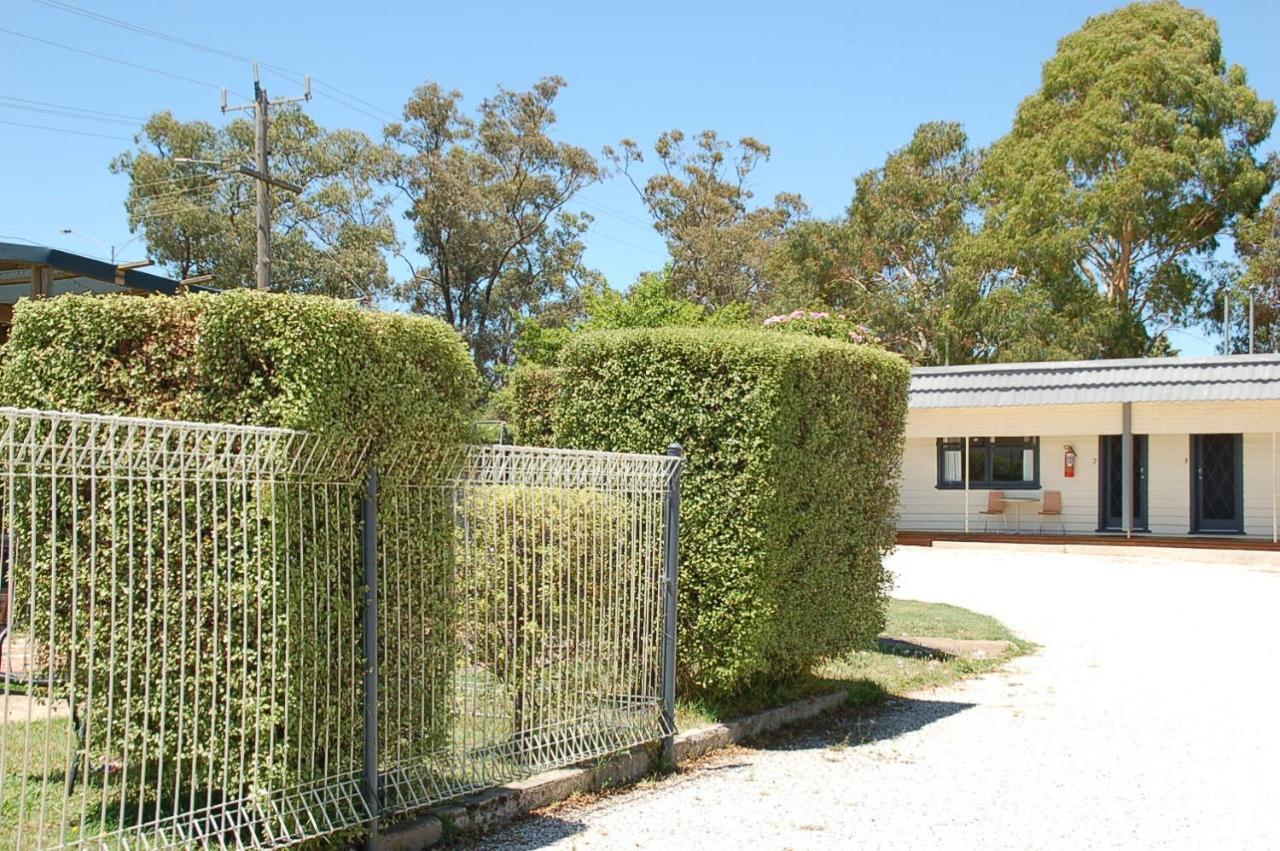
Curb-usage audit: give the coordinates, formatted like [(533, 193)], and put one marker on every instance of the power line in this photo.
[(615, 213), (173, 208), (117, 22), (338, 95), (185, 177), (60, 113), (626, 242), (105, 58), (46, 104), (335, 94), (65, 130), (391, 115), (178, 194), (95, 200)]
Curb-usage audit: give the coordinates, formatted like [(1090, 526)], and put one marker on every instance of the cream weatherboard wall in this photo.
[(1169, 426)]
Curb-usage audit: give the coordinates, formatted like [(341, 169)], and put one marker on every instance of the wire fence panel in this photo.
[(179, 659), (552, 615), (182, 605)]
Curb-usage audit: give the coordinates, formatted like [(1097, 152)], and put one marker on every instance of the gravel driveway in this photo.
[(1150, 718)]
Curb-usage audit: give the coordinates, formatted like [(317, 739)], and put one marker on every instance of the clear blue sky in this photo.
[(831, 86)]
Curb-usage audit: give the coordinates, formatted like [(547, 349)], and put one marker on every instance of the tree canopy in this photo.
[(908, 220), (700, 200), (1093, 227), (198, 218), (1129, 163), (486, 197)]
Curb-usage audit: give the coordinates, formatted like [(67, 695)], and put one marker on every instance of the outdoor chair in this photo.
[(995, 508), (1052, 509)]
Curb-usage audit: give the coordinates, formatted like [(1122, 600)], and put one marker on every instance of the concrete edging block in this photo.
[(493, 807)]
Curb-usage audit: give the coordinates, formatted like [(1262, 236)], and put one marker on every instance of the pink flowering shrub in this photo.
[(821, 323)]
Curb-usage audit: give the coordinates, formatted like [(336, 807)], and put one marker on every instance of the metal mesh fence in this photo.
[(183, 603)]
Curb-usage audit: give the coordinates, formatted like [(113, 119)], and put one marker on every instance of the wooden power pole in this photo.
[(262, 169)]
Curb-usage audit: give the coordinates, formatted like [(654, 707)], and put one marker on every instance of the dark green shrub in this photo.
[(303, 362), (790, 490), (554, 611), (288, 695), (527, 402)]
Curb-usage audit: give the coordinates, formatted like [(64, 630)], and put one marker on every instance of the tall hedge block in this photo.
[(790, 488), (405, 385), (303, 362), (527, 404)]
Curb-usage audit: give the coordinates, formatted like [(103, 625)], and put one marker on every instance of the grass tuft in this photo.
[(870, 676)]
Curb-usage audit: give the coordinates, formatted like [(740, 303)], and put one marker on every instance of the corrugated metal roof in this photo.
[(1207, 379)]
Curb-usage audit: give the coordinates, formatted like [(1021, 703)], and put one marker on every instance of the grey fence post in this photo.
[(369, 563), (670, 559)]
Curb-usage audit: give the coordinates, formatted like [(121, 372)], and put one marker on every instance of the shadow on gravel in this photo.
[(860, 725), (848, 727), (902, 647)]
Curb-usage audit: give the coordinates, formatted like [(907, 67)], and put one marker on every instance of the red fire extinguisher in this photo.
[(1069, 463)]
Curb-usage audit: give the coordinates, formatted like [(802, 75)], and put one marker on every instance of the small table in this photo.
[(1017, 502)]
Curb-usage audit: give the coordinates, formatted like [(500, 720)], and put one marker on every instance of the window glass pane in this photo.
[(993, 461), (1006, 464), (952, 471), (978, 460)]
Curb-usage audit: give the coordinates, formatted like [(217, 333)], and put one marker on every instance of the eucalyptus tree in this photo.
[(891, 261), (1257, 242), (198, 218), (701, 203), (486, 196), (1123, 171)]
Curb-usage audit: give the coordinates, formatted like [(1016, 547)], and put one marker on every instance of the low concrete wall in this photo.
[(491, 808)]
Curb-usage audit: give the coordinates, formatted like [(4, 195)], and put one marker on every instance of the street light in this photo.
[(110, 249)]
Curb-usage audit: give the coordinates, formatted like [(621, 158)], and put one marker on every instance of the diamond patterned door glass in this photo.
[(1218, 477), (1112, 464)]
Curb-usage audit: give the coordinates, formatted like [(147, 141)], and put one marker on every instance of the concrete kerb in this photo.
[(1264, 560), (493, 807)]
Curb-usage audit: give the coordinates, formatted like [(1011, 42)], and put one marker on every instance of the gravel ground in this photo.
[(1150, 718)]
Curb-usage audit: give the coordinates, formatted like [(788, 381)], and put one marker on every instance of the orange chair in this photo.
[(1051, 507), (995, 507)]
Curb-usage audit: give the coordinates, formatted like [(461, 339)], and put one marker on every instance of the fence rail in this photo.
[(247, 637)]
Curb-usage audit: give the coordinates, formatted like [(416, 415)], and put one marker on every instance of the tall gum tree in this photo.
[(908, 219), (891, 262), (199, 219), (486, 198), (701, 203), (1135, 156), (1257, 240)]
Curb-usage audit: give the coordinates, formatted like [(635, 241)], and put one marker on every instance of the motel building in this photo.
[(1150, 448)]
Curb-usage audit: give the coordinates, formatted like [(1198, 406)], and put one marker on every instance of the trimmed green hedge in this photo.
[(789, 498), (406, 384), (527, 403), (547, 639), (303, 362)]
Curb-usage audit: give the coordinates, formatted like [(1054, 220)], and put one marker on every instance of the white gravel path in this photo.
[(1150, 718)]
